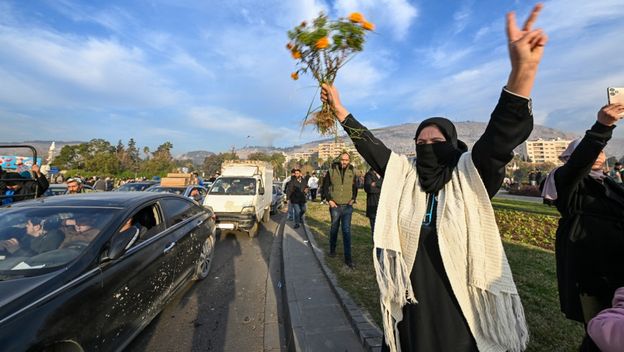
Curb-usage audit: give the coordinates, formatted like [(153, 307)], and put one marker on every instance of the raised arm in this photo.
[(372, 149), (568, 177), (511, 121)]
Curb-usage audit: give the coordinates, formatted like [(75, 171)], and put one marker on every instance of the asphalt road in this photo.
[(227, 310)]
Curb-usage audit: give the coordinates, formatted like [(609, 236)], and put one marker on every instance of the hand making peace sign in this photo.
[(526, 48)]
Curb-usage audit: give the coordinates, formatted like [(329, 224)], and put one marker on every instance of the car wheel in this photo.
[(205, 259)]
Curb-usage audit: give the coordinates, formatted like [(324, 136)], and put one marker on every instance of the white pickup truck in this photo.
[(241, 196)]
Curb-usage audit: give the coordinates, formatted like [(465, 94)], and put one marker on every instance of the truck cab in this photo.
[(241, 196)]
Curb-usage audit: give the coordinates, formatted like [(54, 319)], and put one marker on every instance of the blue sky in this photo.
[(215, 74)]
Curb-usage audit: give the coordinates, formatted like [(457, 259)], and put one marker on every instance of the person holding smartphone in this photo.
[(590, 237)]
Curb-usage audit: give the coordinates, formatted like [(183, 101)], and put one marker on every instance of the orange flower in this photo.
[(368, 26), (294, 75), (296, 54), (322, 43), (289, 46), (356, 17)]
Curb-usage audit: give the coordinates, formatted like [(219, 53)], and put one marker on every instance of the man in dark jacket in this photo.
[(340, 190), (15, 188), (372, 187), (297, 189)]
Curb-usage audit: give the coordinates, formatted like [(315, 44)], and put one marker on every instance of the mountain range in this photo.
[(399, 138)]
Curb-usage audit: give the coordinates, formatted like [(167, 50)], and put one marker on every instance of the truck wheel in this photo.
[(253, 231), (266, 216)]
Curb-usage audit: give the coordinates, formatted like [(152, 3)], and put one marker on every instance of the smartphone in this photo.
[(615, 95)]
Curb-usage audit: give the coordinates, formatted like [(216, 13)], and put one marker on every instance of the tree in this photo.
[(146, 151), (132, 156)]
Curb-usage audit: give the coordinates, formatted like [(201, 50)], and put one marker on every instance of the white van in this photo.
[(241, 196)]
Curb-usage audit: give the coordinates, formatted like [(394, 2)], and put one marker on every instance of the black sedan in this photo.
[(88, 272)]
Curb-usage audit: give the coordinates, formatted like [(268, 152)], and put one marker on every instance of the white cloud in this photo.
[(462, 17), (100, 72), (398, 15), (569, 18), (243, 127)]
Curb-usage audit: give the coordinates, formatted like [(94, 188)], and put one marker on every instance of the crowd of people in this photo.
[(444, 280)]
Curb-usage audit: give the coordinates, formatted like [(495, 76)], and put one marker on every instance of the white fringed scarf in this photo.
[(471, 250)]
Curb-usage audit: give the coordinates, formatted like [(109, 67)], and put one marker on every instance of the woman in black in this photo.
[(436, 323), (590, 238)]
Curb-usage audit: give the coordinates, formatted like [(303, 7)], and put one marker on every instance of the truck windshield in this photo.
[(236, 186)]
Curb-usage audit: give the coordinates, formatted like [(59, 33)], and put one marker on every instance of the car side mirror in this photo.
[(121, 241), (261, 191)]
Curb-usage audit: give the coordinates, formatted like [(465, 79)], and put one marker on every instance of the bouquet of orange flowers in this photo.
[(321, 48)]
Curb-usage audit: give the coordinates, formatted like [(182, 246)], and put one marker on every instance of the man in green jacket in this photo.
[(340, 190)]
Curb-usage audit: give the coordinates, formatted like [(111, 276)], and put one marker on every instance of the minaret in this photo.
[(51, 153)]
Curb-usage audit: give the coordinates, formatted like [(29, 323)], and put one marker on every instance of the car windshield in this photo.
[(237, 186), (133, 187), (174, 190), (37, 240)]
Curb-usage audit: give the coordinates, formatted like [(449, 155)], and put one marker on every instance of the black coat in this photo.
[(29, 189), (295, 190), (372, 192), (589, 243)]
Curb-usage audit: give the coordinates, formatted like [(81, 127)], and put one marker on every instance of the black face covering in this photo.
[(435, 162)]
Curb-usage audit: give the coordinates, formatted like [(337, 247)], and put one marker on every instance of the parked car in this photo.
[(182, 190), (136, 186), (278, 199), (121, 258), (57, 189)]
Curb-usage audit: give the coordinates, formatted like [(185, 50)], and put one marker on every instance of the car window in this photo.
[(49, 237), (148, 220), (177, 210)]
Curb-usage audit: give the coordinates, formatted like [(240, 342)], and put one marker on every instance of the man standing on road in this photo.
[(285, 189), (372, 187), (313, 184), (340, 190), (296, 193)]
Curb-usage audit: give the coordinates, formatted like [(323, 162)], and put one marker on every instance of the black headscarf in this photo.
[(435, 162)]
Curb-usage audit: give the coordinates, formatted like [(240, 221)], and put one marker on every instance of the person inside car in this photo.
[(195, 195), (33, 239), (79, 230)]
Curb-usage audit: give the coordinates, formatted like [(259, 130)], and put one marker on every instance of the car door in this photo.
[(137, 284), (183, 219)]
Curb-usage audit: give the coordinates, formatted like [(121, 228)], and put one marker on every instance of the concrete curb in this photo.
[(369, 333)]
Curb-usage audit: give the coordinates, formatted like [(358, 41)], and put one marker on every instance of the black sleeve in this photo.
[(368, 184), (569, 176), (368, 180), (370, 148), (510, 124), (43, 184)]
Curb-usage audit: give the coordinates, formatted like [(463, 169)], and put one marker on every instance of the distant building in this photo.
[(330, 151), (543, 151), (305, 155)]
